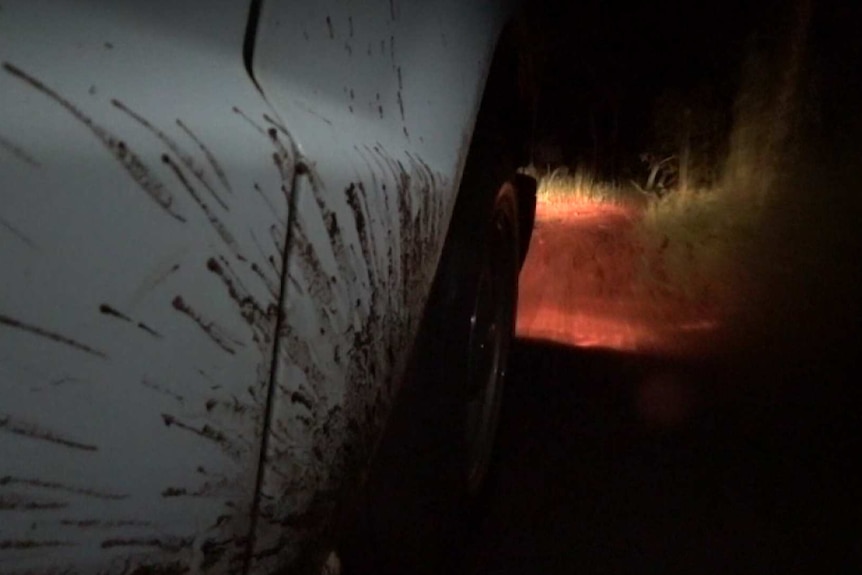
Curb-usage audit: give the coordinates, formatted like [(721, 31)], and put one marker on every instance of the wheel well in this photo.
[(500, 141)]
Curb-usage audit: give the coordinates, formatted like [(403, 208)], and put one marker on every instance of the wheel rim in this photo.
[(491, 330)]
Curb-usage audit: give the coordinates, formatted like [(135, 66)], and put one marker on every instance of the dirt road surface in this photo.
[(634, 440)]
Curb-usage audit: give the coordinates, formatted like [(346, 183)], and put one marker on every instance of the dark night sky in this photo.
[(606, 64)]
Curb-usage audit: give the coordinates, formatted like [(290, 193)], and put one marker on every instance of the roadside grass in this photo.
[(691, 240), (695, 239), (562, 186)]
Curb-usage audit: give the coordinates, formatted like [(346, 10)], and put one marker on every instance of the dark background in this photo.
[(612, 76)]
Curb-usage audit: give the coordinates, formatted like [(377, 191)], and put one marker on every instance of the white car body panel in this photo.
[(150, 344)]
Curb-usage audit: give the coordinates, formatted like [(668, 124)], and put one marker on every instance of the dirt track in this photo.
[(581, 286), (632, 442)]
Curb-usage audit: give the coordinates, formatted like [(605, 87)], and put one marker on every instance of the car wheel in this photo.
[(426, 491), (492, 327)]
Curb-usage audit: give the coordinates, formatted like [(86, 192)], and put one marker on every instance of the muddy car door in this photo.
[(143, 219), (376, 103)]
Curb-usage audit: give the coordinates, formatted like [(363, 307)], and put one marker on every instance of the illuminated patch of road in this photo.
[(582, 285)]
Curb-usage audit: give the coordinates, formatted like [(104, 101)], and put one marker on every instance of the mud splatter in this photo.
[(270, 259), (250, 310), (213, 161), (18, 234), (207, 432), (33, 431), (56, 486), (359, 216), (209, 328), (19, 153), (162, 390), (282, 157), (130, 161), (32, 544), (174, 492), (14, 502), (401, 107), (172, 545), (110, 311), (249, 121), (184, 157), (53, 336), (214, 221), (89, 523)]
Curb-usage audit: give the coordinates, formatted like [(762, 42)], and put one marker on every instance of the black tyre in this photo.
[(492, 327), (424, 499), (425, 494)]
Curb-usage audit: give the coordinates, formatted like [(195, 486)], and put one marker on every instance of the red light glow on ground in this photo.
[(581, 285)]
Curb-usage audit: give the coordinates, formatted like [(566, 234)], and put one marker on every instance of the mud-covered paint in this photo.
[(361, 309), (139, 301), (370, 219), (127, 158), (211, 320)]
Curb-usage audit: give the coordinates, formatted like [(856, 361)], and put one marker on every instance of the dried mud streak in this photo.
[(18, 234), (333, 228), (359, 207), (281, 128), (251, 311), (367, 354), (184, 157), (208, 328), (152, 284), (213, 161), (56, 337), (15, 503), (406, 229), (109, 311), (249, 121), (98, 523), (282, 158), (53, 485), (206, 432), (299, 351), (319, 286), (270, 285), (265, 199), (161, 390), (19, 153), (170, 545), (392, 272), (389, 271), (149, 330), (34, 432), (379, 263), (401, 98), (32, 544), (214, 221), (235, 278), (130, 161)]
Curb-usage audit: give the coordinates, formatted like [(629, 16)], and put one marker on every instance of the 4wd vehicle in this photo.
[(227, 228)]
